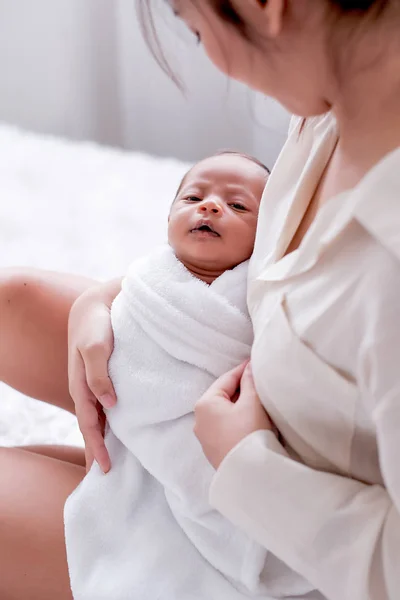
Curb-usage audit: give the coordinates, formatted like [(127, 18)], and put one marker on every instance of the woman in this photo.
[(323, 291)]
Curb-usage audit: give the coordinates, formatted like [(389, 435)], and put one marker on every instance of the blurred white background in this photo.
[(80, 69)]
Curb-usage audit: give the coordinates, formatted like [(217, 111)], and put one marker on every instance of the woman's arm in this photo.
[(34, 310), (341, 534)]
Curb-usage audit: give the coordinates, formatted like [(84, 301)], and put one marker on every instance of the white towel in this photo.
[(146, 531)]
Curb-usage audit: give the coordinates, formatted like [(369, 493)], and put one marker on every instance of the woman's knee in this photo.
[(19, 286), (34, 310), (15, 285), (26, 292)]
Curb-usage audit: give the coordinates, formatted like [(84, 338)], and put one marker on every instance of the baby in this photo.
[(213, 219), (145, 531)]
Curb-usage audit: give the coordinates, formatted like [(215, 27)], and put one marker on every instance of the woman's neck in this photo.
[(368, 114)]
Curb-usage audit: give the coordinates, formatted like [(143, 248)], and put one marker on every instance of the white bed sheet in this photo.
[(79, 208)]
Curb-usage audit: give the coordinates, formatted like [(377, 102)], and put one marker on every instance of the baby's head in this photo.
[(213, 219)]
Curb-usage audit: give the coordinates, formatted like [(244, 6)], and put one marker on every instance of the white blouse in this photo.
[(326, 362)]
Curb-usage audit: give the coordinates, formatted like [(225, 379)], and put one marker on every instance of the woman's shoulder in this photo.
[(377, 203)]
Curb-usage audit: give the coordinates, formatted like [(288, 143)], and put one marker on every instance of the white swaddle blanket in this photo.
[(145, 531)]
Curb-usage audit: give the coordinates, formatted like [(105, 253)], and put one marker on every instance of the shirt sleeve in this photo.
[(342, 535)]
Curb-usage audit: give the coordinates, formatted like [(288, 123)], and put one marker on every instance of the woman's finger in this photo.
[(228, 384), (91, 424), (248, 390), (101, 454), (98, 452), (93, 434), (91, 418), (95, 360), (89, 458)]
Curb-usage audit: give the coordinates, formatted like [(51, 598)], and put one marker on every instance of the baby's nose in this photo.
[(210, 206)]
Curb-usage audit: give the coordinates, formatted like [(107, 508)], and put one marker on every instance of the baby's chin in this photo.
[(203, 259)]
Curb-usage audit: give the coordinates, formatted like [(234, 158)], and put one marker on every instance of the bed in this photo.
[(74, 207)]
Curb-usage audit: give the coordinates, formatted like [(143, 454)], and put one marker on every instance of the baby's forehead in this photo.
[(225, 167)]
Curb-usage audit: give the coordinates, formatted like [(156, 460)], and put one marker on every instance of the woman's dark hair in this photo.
[(359, 5), (228, 13)]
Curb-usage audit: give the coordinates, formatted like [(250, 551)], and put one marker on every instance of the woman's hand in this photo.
[(90, 344), (228, 412)]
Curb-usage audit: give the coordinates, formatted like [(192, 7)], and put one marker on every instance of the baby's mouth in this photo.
[(206, 229)]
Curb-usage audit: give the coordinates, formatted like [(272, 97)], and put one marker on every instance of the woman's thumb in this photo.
[(230, 381), (248, 392)]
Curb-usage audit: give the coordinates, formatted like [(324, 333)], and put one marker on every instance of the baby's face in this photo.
[(213, 221)]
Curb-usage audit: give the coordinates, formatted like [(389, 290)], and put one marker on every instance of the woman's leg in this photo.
[(33, 490), (34, 309), (71, 454)]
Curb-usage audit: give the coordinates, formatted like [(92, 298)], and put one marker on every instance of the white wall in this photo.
[(50, 54), (80, 68)]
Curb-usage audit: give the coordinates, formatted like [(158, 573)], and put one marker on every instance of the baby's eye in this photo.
[(238, 206), (193, 199)]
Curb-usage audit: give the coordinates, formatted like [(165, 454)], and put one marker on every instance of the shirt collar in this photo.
[(374, 202)]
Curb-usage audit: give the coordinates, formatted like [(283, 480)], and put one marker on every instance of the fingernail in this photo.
[(107, 400)]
